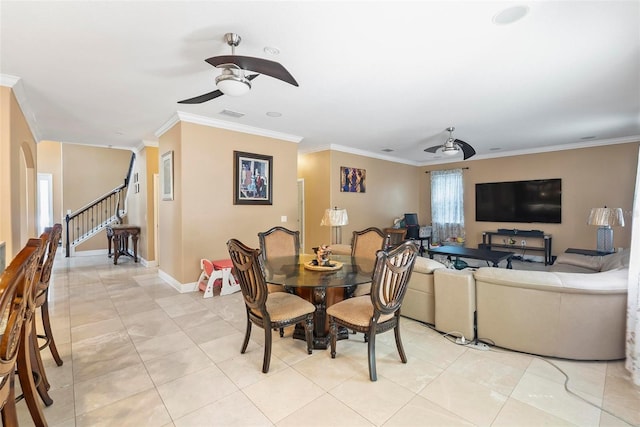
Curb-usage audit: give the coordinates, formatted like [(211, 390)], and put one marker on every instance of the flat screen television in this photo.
[(520, 201)]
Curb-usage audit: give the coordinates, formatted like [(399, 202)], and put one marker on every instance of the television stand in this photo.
[(519, 236)]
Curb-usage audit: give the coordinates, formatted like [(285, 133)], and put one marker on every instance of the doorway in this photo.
[(45, 201)]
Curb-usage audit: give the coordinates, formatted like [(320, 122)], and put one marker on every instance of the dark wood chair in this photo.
[(12, 309), (266, 310), (364, 245), (380, 311), (43, 276), (395, 236), (278, 242)]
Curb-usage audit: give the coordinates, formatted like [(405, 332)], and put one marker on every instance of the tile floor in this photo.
[(138, 353)]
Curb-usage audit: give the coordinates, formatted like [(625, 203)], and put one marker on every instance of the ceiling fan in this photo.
[(233, 81), (453, 146)]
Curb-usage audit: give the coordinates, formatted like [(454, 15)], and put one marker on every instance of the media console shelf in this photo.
[(518, 236)]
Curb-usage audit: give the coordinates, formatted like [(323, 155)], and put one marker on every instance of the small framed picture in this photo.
[(166, 178), (252, 179), (353, 180)]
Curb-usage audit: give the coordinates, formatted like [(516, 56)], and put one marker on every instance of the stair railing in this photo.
[(93, 217)]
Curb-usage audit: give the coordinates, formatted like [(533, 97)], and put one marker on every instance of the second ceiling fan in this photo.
[(233, 81), (453, 146)]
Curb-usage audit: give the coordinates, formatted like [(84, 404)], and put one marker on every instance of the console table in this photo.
[(119, 234), (519, 236)]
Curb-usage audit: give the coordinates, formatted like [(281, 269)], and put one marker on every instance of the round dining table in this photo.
[(322, 288)]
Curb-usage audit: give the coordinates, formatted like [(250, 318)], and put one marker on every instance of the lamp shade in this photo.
[(606, 217), (335, 217)]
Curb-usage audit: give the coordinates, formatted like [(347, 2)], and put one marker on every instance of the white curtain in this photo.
[(447, 204), (633, 296)]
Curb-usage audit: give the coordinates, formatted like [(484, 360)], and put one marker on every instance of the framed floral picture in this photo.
[(252, 179)]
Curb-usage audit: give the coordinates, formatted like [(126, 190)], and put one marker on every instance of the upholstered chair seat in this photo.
[(380, 311), (267, 310)]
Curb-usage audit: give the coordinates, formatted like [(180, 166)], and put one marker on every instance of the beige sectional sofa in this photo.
[(577, 311)]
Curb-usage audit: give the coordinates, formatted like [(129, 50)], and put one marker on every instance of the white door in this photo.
[(45, 201)]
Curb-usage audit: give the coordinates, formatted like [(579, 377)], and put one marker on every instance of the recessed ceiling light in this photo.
[(388, 150), (495, 149), (271, 50), (274, 114), (585, 138), (510, 15)]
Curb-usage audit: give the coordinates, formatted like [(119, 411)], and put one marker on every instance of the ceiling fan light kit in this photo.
[(453, 146), (232, 84), (232, 81)]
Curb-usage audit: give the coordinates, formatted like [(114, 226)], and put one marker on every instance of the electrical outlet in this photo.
[(524, 243)]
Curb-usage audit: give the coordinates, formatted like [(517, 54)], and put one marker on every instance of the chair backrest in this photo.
[(16, 283), (367, 242), (53, 235), (391, 277), (248, 271), (279, 241), (396, 235)]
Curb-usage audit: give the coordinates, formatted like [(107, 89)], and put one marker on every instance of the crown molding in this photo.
[(15, 83), (221, 124), (539, 150)]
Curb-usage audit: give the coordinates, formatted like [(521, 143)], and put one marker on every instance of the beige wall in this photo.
[(591, 177), (140, 205), (89, 172), (314, 169), (391, 191), (50, 161), (202, 216), (17, 175)]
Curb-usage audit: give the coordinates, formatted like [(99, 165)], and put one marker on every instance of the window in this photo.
[(447, 204)]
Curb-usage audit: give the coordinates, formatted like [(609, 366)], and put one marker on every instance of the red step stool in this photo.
[(217, 272)]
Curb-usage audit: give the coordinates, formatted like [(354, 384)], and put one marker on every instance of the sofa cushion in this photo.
[(426, 265), (518, 278), (593, 263), (607, 282), (617, 260)]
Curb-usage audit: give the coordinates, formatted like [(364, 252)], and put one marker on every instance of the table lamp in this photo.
[(604, 218), (335, 218)]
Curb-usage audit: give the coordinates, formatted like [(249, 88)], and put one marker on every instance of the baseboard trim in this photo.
[(183, 288)]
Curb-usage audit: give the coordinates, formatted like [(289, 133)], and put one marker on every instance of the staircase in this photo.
[(89, 220)]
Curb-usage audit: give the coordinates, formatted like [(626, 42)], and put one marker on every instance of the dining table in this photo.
[(321, 287)]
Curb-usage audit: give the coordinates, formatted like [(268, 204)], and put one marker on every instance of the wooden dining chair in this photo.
[(364, 245), (266, 310), (43, 276), (278, 242), (380, 311), (395, 236), (12, 309)]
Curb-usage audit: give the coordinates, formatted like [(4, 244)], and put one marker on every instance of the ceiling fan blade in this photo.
[(466, 149), (202, 98), (433, 149), (258, 65), (211, 95)]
